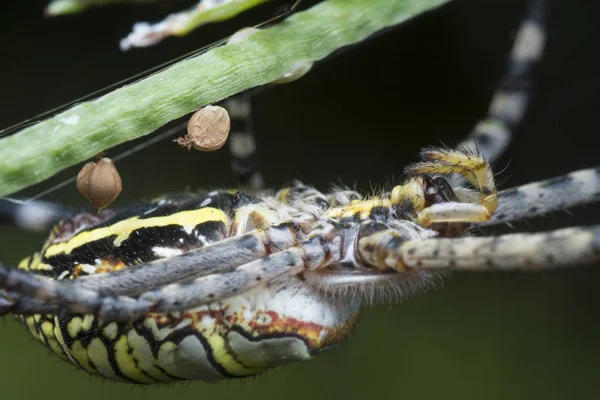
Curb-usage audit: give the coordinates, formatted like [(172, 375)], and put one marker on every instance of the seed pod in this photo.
[(100, 183), (207, 129)]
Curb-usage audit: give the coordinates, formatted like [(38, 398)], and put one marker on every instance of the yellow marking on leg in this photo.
[(361, 207), (257, 221), (254, 216), (410, 197), (381, 250), (474, 168), (122, 229), (452, 212), (283, 196)]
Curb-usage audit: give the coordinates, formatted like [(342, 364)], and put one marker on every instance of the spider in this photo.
[(303, 249)]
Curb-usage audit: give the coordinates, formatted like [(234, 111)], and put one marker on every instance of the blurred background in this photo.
[(357, 118)]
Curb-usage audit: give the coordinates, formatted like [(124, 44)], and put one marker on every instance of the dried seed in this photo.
[(83, 178), (99, 182), (207, 129)]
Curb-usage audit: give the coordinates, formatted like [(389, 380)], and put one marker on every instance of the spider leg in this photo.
[(305, 198), (342, 197), (323, 247), (390, 249), (491, 136), (474, 168), (173, 297), (215, 258), (538, 198), (242, 143), (313, 253), (33, 215)]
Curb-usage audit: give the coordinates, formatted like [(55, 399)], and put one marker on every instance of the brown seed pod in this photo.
[(207, 129), (99, 182)]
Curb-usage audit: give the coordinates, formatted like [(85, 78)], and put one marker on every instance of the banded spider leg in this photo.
[(241, 263)]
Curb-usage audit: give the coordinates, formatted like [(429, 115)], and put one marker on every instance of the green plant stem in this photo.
[(63, 7), (40, 151), (198, 17), (183, 22)]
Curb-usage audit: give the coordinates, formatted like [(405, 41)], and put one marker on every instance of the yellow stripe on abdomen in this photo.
[(122, 229)]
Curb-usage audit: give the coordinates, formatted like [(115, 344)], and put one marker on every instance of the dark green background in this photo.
[(359, 117)]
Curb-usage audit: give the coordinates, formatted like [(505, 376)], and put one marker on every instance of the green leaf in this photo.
[(40, 151)]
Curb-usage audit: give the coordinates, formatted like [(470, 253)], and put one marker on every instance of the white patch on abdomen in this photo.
[(165, 252), (269, 352)]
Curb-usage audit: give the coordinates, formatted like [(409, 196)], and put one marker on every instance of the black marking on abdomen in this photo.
[(112, 359), (180, 334), (279, 335), (137, 248)]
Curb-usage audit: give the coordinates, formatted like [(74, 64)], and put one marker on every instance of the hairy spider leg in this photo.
[(539, 198), (379, 246), (320, 249), (301, 195), (386, 248), (383, 246), (35, 215), (519, 251), (221, 256), (475, 169), (492, 135)]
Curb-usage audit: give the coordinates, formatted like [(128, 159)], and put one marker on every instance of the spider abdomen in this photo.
[(278, 322), (242, 336)]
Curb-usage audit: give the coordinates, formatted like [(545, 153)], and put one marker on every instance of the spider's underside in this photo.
[(224, 284)]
